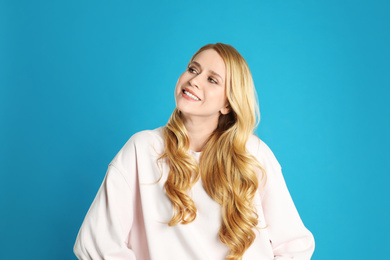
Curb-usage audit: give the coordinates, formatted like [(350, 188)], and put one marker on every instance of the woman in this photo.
[(202, 187)]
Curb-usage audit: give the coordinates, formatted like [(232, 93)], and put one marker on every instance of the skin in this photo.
[(204, 78)]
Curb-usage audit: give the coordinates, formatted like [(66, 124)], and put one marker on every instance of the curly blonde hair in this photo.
[(227, 170)]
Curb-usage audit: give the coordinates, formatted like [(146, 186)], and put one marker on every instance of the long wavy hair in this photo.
[(229, 173)]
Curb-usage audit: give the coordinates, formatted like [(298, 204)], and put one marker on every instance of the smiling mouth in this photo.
[(190, 95)]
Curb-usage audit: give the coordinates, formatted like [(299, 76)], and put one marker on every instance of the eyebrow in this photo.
[(211, 71)]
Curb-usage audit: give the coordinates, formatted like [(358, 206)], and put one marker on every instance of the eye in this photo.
[(192, 70), (213, 80)]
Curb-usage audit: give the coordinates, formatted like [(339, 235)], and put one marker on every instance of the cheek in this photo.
[(179, 83), (177, 88), (220, 97)]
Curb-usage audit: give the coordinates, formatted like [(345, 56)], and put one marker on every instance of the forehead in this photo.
[(210, 60)]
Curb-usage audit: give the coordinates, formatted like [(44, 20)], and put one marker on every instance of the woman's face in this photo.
[(201, 89)]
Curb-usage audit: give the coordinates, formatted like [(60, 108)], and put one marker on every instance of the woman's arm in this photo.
[(290, 239), (105, 231)]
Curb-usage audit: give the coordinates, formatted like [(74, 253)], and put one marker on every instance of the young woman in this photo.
[(202, 187)]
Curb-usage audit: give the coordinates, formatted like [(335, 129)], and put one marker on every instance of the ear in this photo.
[(226, 110)]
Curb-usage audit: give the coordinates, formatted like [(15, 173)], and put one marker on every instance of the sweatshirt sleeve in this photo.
[(106, 227), (290, 239)]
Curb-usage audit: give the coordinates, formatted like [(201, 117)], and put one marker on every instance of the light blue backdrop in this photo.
[(78, 78)]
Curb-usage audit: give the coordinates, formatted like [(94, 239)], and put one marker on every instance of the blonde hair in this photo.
[(228, 171)]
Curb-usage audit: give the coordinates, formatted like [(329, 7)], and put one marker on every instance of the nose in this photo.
[(194, 81)]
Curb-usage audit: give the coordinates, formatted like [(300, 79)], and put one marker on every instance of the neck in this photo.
[(199, 130)]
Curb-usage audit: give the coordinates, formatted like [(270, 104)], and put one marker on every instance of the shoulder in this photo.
[(144, 140), (253, 144), (140, 145), (147, 136), (262, 152)]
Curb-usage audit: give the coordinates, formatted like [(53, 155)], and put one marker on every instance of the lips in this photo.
[(191, 94)]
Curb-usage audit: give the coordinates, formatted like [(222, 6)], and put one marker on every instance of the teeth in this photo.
[(190, 95)]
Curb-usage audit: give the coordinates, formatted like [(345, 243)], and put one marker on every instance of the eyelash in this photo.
[(192, 70), (213, 80)]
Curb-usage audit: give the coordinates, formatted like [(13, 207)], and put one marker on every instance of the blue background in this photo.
[(78, 78)]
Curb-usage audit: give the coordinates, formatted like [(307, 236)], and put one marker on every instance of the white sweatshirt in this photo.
[(128, 218)]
